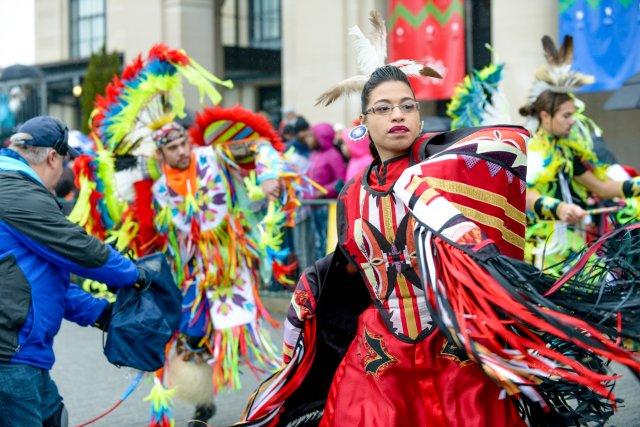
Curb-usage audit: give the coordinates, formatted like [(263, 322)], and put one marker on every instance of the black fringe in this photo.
[(570, 404), (608, 285), (604, 288)]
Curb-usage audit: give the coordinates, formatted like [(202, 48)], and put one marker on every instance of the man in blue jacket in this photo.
[(39, 248)]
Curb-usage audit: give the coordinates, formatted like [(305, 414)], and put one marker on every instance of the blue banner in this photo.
[(606, 35)]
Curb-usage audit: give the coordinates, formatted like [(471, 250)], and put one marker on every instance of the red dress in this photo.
[(399, 370), (438, 242)]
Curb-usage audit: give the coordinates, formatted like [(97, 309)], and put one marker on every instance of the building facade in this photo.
[(237, 39), (287, 52)]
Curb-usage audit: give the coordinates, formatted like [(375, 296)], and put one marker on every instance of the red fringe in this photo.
[(96, 228), (262, 310), (487, 314), (195, 232), (143, 215), (309, 340), (281, 271), (257, 122)]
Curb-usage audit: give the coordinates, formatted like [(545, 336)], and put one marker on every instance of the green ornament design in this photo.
[(429, 9)]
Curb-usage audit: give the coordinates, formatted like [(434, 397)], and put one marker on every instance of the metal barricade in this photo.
[(315, 233)]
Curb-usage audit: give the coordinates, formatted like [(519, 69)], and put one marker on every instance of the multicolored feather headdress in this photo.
[(478, 100), (234, 132), (147, 96), (214, 126), (557, 75), (370, 55)]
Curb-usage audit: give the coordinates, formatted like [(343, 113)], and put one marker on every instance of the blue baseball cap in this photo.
[(46, 131)]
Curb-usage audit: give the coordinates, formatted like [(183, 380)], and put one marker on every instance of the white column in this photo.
[(133, 28), (52, 38), (516, 30)]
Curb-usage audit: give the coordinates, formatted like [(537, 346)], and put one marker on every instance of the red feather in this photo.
[(114, 88), (82, 166), (96, 121), (163, 52), (103, 103), (237, 114), (132, 70), (100, 101)]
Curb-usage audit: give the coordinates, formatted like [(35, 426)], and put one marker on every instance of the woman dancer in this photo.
[(419, 318)]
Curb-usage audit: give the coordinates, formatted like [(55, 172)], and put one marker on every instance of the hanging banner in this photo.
[(606, 36), (432, 32)]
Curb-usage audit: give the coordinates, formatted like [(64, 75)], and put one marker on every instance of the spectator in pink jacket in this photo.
[(359, 154), (326, 165)]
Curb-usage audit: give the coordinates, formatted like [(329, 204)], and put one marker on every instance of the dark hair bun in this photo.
[(527, 110)]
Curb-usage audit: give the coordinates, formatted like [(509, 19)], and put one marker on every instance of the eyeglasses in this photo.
[(385, 109)]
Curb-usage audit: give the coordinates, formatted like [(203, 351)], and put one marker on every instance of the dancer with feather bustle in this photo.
[(206, 207)]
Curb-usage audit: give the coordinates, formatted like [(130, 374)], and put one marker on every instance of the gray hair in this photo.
[(33, 155)]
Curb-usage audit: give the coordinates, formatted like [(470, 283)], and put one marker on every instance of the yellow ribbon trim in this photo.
[(480, 195), (493, 222)]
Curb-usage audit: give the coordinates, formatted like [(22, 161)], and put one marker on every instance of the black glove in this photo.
[(144, 278), (105, 318)]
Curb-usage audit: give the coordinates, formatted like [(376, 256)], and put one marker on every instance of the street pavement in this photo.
[(90, 385)]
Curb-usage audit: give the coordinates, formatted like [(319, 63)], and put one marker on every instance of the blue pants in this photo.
[(28, 395)]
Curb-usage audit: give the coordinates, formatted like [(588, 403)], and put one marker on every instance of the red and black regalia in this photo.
[(425, 314)]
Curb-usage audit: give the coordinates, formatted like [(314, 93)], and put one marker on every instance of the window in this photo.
[(264, 24), (88, 33)]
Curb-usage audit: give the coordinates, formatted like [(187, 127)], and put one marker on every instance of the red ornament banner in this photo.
[(431, 32)]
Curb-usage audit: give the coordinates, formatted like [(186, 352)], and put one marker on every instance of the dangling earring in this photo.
[(358, 132)]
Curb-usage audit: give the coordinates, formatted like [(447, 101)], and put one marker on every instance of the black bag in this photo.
[(144, 320)]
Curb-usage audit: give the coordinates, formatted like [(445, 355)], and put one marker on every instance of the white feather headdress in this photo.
[(371, 53), (557, 75)]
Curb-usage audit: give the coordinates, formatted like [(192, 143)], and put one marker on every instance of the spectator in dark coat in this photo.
[(39, 248)]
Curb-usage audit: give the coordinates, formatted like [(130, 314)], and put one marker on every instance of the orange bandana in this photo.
[(177, 178)]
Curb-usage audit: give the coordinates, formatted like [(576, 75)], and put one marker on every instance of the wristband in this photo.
[(631, 187), (546, 208)]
